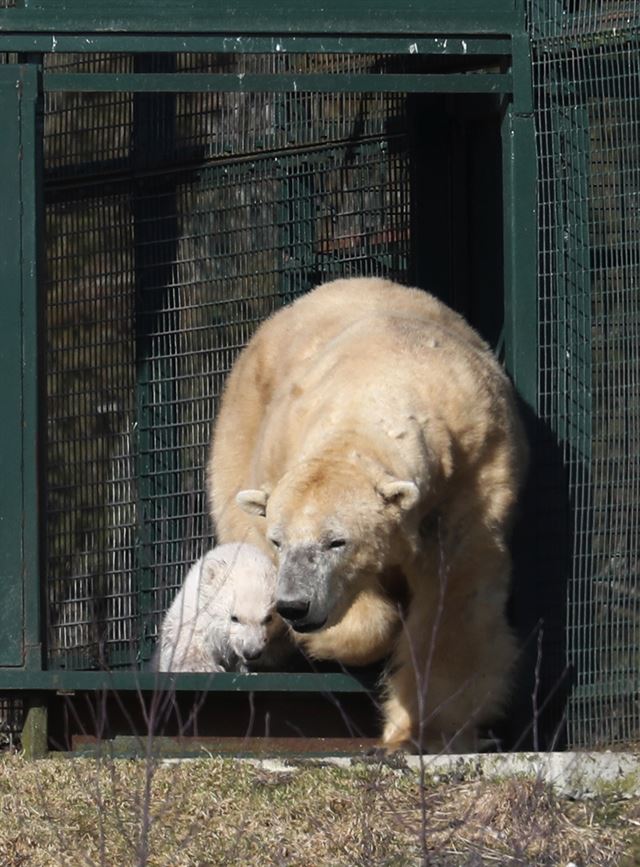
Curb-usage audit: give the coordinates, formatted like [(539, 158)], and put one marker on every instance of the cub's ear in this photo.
[(253, 502), (213, 571), (399, 493)]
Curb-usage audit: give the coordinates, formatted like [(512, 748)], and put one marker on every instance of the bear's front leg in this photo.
[(428, 705), (411, 727), (364, 633), (398, 728)]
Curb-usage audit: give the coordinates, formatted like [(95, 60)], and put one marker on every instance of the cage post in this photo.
[(35, 729), (520, 229), (20, 218)]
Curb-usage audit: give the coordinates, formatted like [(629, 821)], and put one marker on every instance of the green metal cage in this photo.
[(174, 175), (586, 61)]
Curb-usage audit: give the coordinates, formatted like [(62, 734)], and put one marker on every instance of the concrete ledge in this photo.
[(575, 775)]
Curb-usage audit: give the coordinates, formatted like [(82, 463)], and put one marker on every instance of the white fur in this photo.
[(374, 441), (224, 616)]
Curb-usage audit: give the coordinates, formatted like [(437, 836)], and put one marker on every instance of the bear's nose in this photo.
[(255, 655), (293, 609)]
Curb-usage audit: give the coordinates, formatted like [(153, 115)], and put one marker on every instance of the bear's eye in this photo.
[(275, 542), (234, 619), (336, 543)]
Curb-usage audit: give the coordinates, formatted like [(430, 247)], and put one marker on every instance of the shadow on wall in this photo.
[(542, 554)]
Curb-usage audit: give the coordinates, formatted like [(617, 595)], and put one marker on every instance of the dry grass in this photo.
[(221, 812)]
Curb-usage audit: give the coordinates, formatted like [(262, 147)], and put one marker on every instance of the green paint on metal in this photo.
[(11, 433), (185, 82), (519, 179), (522, 75), (144, 681), (19, 500), (33, 386), (520, 240), (255, 44), (249, 16)]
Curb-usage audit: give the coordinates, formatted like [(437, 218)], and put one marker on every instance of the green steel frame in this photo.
[(371, 17), (492, 29), (194, 83), (13, 679), (19, 327)]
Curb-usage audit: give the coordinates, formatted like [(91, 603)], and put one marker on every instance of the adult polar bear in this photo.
[(367, 437)]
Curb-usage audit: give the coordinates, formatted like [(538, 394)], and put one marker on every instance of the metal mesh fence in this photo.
[(586, 79), (86, 130), (90, 414), (11, 719), (175, 224), (561, 19)]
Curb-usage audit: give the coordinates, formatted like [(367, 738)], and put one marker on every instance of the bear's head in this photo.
[(251, 579), (329, 524), (252, 628)]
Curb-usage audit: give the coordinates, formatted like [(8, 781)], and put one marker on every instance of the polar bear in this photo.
[(223, 618), (369, 441)]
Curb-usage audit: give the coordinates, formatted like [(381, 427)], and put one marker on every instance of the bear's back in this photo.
[(382, 373), (296, 332), (286, 357)]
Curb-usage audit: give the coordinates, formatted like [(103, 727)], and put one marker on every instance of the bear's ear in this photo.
[(253, 502), (399, 493), (214, 571)]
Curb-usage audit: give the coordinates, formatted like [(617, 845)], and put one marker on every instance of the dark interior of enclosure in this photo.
[(307, 721), (175, 224)]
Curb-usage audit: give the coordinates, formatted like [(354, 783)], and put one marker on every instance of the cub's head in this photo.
[(253, 620), (329, 524)]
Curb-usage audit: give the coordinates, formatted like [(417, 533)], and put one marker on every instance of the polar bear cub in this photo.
[(224, 615)]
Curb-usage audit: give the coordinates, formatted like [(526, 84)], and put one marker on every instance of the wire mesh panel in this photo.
[(175, 224), (586, 76), (90, 391), (11, 719)]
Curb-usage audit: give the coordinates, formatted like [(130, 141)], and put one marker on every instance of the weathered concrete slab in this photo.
[(572, 774)]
